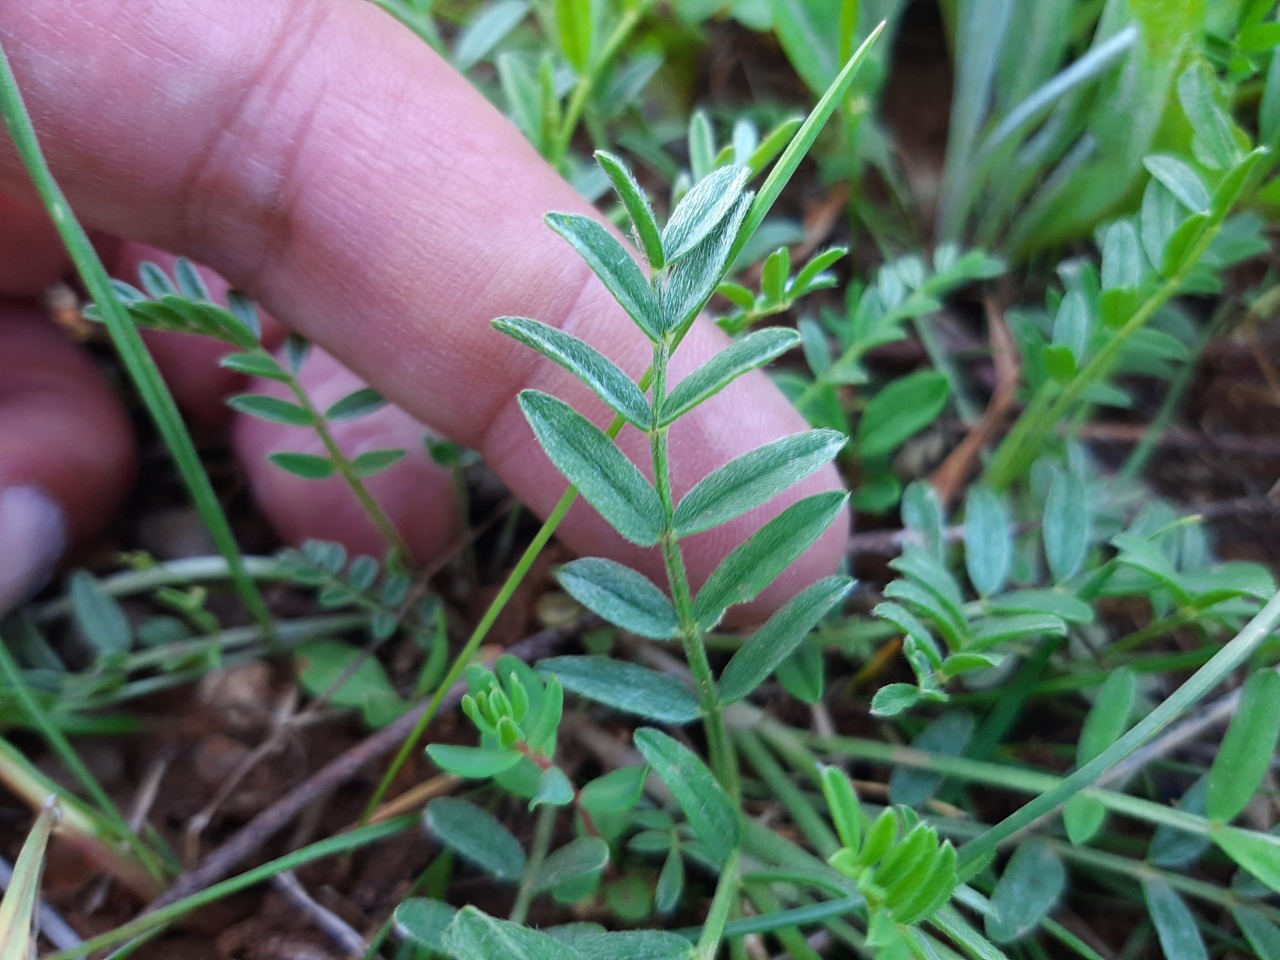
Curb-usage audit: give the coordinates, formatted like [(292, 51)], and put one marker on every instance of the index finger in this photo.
[(323, 159)]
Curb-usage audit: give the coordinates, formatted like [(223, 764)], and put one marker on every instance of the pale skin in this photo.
[(324, 160)]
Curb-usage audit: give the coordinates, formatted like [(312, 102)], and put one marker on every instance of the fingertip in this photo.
[(66, 451), (33, 536)]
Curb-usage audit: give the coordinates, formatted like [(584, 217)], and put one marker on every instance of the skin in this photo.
[(328, 163)]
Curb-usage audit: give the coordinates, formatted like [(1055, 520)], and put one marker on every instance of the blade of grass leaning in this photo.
[(975, 853), (760, 205), (128, 343), (108, 814), (18, 908)]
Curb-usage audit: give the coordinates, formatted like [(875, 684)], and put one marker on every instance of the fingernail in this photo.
[(33, 534)]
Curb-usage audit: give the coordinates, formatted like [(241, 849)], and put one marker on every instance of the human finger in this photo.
[(326, 161), (66, 451)]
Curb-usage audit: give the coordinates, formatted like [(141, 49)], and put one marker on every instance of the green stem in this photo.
[(400, 551), (723, 759), (460, 662), (542, 833), (998, 775), (792, 940), (721, 905), (128, 343), (109, 813), (1222, 664), (586, 84), (1048, 409)]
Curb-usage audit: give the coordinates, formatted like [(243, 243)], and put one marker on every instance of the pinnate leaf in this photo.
[(592, 462)]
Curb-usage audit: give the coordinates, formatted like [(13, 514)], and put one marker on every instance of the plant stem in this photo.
[(721, 904), (400, 552), (542, 833), (118, 832), (1222, 664), (1048, 408), (587, 82), (513, 581), (723, 759)]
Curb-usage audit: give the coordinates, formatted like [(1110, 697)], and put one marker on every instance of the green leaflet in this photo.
[(775, 641), (586, 363), (590, 461), (1247, 748), (754, 350), (625, 686), (1066, 526), (476, 835), (271, 408), (1031, 885), (754, 478), (477, 936), (988, 540), (702, 799), (762, 557), (1175, 924), (696, 276), (358, 403), (620, 595), (637, 207), (579, 858), (611, 262), (705, 207)]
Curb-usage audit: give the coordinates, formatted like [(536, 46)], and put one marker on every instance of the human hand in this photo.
[(329, 164)]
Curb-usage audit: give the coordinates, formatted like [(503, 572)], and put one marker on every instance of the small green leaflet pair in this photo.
[(688, 258)]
